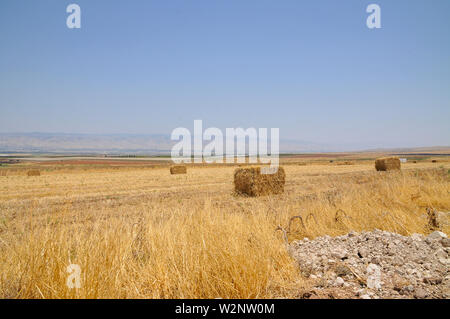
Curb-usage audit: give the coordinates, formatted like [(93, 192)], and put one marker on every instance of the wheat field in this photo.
[(140, 232)]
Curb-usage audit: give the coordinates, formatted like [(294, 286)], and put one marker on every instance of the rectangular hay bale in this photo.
[(34, 172), (346, 163), (251, 182), (178, 169), (387, 164)]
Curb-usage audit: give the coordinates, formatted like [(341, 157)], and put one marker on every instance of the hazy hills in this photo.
[(140, 144), (83, 143)]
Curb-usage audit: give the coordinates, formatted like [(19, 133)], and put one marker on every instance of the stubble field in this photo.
[(139, 232)]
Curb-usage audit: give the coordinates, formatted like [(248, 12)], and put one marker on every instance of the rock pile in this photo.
[(377, 264)]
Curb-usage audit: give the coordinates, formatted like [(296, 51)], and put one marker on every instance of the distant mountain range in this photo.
[(152, 144), (84, 143)]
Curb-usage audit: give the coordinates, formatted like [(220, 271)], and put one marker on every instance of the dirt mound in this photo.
[(376, 264)]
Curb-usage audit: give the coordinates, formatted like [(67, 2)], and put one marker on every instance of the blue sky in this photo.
[(311, 68)]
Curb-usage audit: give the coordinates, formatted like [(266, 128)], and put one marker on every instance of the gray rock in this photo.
[(444, 261), (417, 237), (436, 235), (363, 252), (440, 253), (432, 280), (407, 289), (375, 260), (373, 276), (445, 242), (339, 282), (420, 293), (339, 254)]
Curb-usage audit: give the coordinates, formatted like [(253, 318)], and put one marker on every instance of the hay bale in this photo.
[(178, 169), (34, 172), (346, 163), (251, 182), (387, 163)]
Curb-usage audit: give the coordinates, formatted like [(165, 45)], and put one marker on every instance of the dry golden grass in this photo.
[(142, 233)]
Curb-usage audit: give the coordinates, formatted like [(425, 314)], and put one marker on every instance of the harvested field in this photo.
[(139, 232), (103, 162)]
